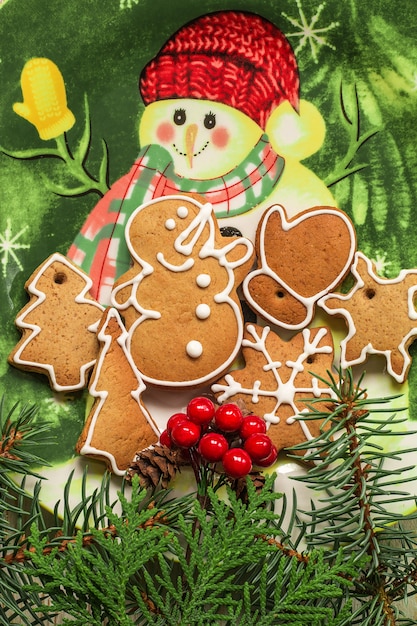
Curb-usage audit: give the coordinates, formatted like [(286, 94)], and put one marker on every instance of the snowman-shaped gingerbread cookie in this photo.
[(179, 300)]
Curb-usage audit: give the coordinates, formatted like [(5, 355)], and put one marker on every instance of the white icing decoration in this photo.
[(187, 265), (106, 339), (285, 391), (170, 224), (208, 250), (41, 297), (264, 269), (203, 280), (182, 212), (194, 349), (203, 311), (369, 348)]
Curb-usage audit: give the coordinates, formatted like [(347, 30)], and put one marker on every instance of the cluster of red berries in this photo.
[(221, 434)]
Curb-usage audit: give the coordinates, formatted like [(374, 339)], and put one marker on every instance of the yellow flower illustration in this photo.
[(44, 99)]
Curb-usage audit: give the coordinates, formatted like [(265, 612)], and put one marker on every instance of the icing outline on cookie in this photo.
[(264, 269), (369, 348), (285, 391), (102, 396), (204, 217), (41, 297)]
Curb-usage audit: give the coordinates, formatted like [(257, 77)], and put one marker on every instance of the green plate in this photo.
[(357, 64)]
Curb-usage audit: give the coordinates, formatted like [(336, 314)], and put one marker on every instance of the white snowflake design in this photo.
[(285, 392), (382, 265), (127, 4), (9, 243), (308, 33)]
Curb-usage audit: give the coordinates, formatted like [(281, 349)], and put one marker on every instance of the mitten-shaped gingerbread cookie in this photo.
[(179, 300), (299, 260), (58, 325), (279, 379), (118, 425)]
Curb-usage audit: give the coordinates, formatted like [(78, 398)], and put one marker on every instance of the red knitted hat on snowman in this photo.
[(233, 57)]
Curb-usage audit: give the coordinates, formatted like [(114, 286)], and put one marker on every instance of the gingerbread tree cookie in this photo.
[(118, 425), (380, 316), (279, 378), (299, 261), (58, 325), (179, 299)]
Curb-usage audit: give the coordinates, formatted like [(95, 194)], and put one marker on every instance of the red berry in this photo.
[(165, 439), (270, 459), (252, 424), (236, 462), (201, 410), (212, 447), (185, 434), (258, 446), (228, 417), (177, 418)]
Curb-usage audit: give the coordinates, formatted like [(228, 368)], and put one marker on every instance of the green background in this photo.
[(359, 69)]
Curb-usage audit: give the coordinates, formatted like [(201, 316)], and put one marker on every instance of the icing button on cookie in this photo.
[(194, 349), (203, 280), (203, 311)]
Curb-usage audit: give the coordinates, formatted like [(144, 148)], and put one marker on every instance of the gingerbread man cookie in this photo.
[(279, 379), (299, 261), (58, 325), (118, 425), (380, 316), (179, 300)]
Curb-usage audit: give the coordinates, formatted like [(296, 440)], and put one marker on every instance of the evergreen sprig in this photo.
[(356, 514), (150, 566), (19, 434), (212, 558)]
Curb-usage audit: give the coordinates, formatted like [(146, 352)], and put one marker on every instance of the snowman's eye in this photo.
[(179, 117), (209, 120)]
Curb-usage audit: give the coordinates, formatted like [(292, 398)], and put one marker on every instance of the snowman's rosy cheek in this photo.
[(220, 137), (165, 132)]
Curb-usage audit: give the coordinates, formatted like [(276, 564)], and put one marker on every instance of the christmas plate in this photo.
[(84, 88)]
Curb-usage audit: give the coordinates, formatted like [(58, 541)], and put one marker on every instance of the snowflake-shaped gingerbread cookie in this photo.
[(279, 380), (380, 316)]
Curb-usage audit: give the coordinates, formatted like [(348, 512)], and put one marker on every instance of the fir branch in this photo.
[(356, 513)]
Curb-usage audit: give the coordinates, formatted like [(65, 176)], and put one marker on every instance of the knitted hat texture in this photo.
[(236, 58)]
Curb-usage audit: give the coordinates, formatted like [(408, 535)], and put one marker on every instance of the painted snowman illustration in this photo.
[(178, 300), (223, 119)]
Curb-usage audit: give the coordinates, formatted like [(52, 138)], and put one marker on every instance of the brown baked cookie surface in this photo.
[(299, 260), (179, 299), (279, 379), (380, 315), (58, 325), (118, 424)]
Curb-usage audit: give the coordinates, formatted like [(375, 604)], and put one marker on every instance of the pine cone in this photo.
[(156, 465), (239, 485)]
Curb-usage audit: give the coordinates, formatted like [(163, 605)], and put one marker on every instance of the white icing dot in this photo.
[(194, 349), (170, 224), (182, 211), (203, 280), (203, 311)]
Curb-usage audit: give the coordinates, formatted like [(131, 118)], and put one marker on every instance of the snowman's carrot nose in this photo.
[(190, 136)]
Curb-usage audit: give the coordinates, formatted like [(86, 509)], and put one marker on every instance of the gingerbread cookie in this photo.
[(279, 379), (179, 300), (118, 425), (380, 316), (299, 261), (58, 325)]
